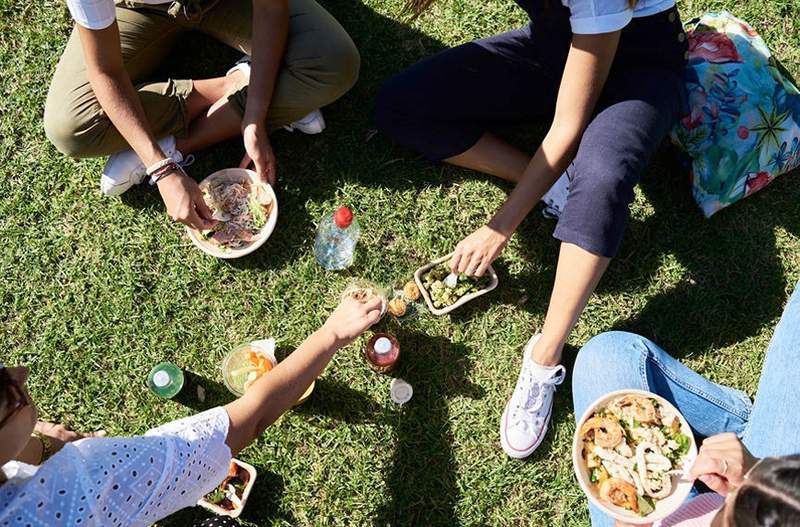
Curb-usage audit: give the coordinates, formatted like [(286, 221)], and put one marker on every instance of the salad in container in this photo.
[(229, 498), (246, 211), (440, 297), (631, 452)]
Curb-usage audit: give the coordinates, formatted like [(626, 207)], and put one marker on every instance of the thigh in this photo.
[(774, 426), (495, 80), (635, 114), (617, 360)]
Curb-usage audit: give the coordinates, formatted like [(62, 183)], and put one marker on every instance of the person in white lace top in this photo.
[(135, 481)]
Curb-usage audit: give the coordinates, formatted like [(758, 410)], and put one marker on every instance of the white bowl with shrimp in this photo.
[(680, 487), (238, 175)]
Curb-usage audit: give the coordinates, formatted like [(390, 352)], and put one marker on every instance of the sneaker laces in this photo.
[(530, 399)]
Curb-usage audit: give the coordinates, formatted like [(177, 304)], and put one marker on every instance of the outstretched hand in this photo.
[(475, 253), (352, 318), (258, 152)]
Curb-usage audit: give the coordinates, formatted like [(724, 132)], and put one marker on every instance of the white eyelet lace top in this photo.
[(120, 481)]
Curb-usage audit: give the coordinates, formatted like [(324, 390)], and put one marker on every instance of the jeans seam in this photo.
[(661, 366)]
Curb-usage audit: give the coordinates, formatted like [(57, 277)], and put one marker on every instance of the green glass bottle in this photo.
[(165, 380)]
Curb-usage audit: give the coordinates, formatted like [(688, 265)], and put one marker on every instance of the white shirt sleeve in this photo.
[(591, 17), (92, 14), (119, 481)]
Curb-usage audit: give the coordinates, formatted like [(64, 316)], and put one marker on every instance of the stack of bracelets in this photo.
[(162, 169)]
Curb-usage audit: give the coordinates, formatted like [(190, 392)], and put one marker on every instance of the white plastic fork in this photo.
[(451, 280)]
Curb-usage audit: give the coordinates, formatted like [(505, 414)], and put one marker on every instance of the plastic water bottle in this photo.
[(336, 240)]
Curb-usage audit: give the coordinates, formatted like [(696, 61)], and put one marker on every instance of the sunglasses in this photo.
[(13, 393)]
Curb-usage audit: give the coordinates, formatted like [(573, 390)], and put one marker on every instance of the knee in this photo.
[(64, 130), (605, 353), (343, 64)]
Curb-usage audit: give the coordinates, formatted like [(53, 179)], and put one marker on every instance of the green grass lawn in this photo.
[(95, 291)]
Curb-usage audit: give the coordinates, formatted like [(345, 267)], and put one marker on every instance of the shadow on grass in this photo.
[(422, 480), (200, 393)]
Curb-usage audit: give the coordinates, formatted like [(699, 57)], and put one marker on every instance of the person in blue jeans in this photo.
[(735, 432)]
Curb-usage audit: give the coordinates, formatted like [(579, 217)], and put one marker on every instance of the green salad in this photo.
[(443, 296)]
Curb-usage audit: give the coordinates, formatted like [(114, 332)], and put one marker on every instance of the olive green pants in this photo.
[(320, 65)]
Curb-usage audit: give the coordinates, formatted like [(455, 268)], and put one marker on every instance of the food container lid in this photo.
[(161, 379), (401, 391), (383, 345)]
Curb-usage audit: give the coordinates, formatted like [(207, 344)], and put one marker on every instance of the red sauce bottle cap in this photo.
[(343, 217)]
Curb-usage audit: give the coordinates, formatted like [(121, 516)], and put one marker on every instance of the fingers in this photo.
[(705, 464), (373, 316), (463, 262), (373, 304), (475, 263), (203, 209), (98, 433), (715, 483), (483, 267), (455, 259)]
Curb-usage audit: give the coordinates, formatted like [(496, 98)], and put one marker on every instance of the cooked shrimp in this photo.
[(620, 493), (607, 432), (642, 408)]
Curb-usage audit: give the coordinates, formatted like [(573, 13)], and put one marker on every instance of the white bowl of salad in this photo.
[(631, 452), (246, 211)]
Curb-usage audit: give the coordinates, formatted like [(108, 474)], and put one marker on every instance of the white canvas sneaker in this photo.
[(124, 169), (311, 124), (527, 414)]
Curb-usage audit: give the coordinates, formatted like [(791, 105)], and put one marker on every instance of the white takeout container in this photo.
[(234, 175), (493, 281), (235, 513), (681, 487)]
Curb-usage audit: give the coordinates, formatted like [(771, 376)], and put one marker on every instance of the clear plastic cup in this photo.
[(236, 360)]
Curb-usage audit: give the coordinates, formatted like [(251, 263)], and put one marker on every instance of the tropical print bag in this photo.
[(743, 129)]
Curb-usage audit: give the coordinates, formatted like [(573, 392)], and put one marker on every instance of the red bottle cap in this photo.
[(343, 217)]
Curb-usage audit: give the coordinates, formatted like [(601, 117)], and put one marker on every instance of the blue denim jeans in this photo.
[(770, 426)]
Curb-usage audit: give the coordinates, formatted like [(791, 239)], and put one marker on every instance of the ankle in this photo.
[(547, 353)]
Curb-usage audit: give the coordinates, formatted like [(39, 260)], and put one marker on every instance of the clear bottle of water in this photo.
[(337, 235)]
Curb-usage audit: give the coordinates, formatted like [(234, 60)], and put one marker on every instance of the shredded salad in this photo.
[(633, 447), (241, 209)]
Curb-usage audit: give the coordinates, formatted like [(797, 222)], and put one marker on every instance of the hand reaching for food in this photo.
[(258, 152), (352, 318), (59, 435), (475, 253), (722, 463), (184, 201)]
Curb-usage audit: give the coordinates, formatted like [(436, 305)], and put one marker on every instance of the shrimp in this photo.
[(620, 493), (607, 432), (642, 408)]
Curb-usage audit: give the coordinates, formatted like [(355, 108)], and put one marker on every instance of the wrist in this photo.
[(329, 338), (502, 225)]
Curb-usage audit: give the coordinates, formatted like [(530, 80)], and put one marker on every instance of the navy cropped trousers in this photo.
[(441, 106)]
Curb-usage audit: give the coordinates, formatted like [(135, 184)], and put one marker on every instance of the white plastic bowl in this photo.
[(680, 490), (234, 175)]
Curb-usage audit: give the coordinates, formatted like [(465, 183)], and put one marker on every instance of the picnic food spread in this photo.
[(632, 447), (241, 209), (443, 296)]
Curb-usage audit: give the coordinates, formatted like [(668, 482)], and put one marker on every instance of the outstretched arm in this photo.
[(276, 392), (588, 64)]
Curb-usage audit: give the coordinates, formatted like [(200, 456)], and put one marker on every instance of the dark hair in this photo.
[(770, 497), (417, 7)]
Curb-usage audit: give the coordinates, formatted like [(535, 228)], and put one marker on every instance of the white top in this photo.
[(590, 17), (120, 481), (98, 14)]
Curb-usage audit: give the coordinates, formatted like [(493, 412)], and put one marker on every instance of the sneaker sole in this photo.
[(517, 453)]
